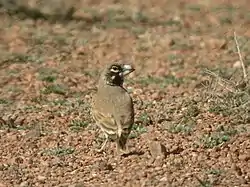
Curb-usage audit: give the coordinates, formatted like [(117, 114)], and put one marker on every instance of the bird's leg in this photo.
[(119, 137), (104, 143), (119, 129), (119, 132), (121, 146)]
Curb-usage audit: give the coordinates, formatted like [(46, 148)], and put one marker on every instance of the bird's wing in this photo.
[(105, 121)]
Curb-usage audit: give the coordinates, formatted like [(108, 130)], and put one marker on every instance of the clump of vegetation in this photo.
[(180, 128), (55, 88), (137, 130), (228, 97), (187, 120), (59, 151), (77, 125), (220, 136)]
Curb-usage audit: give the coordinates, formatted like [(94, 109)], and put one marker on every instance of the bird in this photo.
[(112, 106)]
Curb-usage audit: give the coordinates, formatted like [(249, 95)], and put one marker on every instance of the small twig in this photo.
[(240, 57)]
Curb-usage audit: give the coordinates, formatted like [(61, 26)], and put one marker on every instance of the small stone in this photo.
[(237, 64), (157, 149), (2, 185), (41, 178), (214, 43), (244, 157), (24, 184), (164, 179)]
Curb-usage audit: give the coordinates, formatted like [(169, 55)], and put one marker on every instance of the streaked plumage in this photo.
[(112, 106)]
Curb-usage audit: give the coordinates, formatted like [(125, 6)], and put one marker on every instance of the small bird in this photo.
[(112, 106)]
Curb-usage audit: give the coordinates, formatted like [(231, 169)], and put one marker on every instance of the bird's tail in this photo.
[(121, 143)]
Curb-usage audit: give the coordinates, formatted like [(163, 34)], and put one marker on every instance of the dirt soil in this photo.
[(192, 128)]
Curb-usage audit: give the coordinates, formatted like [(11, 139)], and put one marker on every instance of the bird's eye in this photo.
[(115, 69)]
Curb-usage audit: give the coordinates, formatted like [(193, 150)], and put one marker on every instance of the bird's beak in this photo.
[(127, 69)]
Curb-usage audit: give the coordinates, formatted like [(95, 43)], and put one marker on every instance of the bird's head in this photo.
[(114, 73)]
